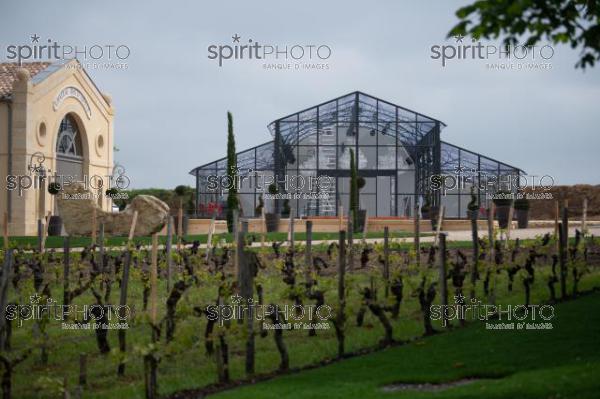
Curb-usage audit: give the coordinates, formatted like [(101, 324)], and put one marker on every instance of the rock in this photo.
[(76, 205)]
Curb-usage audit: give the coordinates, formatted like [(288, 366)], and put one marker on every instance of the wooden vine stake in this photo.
[(509, 226), (179, 224), (386, 259), (438, 228), (263, 227), (366, 226), (150, 361), (133, 223), (556, 217), (584, 217), (443, 281), (123, 297), (5, 230), (341, 317), (350, 230), (168, 251), (417, 237), (211, 230), (94, 227)]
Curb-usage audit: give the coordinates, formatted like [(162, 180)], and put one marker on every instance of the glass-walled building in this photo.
[(398, 153)]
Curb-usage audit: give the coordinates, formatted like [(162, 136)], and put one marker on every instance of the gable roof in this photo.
[(8, 73)]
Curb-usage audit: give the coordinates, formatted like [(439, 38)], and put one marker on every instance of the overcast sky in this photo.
[(171, 102)]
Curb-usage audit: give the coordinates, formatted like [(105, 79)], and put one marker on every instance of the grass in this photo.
[(80, 242), (558, 363)]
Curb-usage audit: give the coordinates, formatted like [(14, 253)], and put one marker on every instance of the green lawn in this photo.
[(558, 363), (78, 242)]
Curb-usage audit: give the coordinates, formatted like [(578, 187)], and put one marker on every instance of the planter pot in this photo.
[(361, 217), (522, 218), (272, 222), (502, 212), (434, 212), (54, 226)]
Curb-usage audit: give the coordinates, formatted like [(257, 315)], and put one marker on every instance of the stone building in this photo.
[(56, 126)]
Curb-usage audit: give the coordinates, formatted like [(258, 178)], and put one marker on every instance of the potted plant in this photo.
[(55, 221), (285, 211), (522, 210), (473, 206), (180, 192), (430, 212), (272, 218), (259, 208), (503, 201), (361, 215)]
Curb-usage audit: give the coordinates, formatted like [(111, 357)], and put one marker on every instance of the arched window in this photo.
[(69, 138)]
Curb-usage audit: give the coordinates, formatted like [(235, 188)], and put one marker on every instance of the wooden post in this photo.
[(584, 217), (438, 228), (5, 230), (509, 227), (132, 228), (4, 284), (341, 217), (246, 284), (350, 233), (417, 238), (82, 369), (386, 259), (211, 230), (366, 226), (562, 256), (168, 251), (341, 292), (490, 224), (153, 279), (308, 253), (235, 231), (66, 270), (565, 225), (122, 305), (556, 217), (291, 232), (475, 259), (180, 224), (94, 227), (40, 232), (101, 249), (263, 227), (442, 275)]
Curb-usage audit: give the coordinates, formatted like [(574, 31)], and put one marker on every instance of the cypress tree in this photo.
[(232, 199)]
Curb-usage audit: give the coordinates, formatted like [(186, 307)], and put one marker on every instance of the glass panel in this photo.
[(367, 158), (386, 158)]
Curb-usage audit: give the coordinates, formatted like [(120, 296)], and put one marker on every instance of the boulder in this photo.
[(76, 206)]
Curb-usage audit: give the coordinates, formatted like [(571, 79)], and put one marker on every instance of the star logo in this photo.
[(459, 38), (35, 298), (460, 299), (236, 38), (235, 299), (35, 38)]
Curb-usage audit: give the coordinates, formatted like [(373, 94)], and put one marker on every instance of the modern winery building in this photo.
[(398, 152)]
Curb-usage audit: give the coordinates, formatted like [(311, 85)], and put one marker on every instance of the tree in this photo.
[(574, 22), (232, 199), (353, 190)]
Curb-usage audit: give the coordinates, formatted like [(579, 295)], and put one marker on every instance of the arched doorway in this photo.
[(69, 152)]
